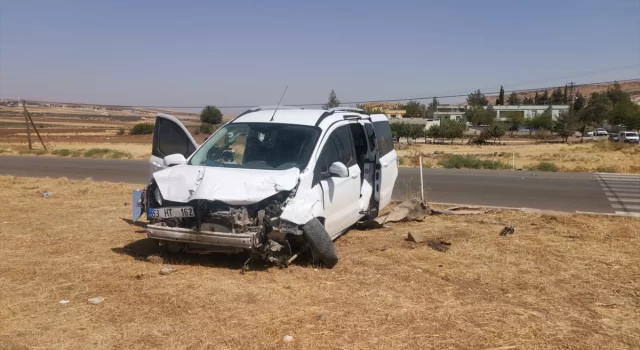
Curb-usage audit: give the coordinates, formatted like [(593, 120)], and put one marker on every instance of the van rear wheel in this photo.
[(320, 243)]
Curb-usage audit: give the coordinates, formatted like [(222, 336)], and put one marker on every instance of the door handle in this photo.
[(355, 176)]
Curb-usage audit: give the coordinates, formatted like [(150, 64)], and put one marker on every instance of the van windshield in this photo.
[(269, 146), (632, 134)]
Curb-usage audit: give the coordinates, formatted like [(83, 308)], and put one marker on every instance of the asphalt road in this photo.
[(569, 192)]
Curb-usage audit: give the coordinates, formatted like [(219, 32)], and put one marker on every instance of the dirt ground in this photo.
[(566, 281), (601, 156)]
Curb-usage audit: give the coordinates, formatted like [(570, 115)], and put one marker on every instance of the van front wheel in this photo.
[(320, 244)]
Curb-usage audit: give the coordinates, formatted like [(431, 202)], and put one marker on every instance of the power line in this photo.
[(581, 74), (352, 102)]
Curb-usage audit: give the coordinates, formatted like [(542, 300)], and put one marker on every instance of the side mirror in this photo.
[(338, 169), (174, 159)]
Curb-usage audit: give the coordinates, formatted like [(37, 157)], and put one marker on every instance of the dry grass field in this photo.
[(566, 281), (601, 156)]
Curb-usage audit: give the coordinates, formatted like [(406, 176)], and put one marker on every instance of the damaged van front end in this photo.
[(222, 210)]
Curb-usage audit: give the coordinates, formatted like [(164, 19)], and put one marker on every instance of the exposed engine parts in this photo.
[(270, 237)]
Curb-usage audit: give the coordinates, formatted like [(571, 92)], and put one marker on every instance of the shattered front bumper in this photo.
[(224, 241)]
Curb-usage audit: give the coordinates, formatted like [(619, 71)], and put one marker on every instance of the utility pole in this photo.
[(28, 116), (26, 120), (570, 98)]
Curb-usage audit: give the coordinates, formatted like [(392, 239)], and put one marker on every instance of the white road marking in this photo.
[(626, 207), (621, 190), (624, 199), (621, 194)]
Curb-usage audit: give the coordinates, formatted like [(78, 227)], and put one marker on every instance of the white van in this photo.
[(270, 182), (628, 137)]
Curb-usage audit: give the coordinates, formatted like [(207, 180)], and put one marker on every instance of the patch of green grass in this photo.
[(458, 161), (77, 153), (545, 166), (37, 152), (96, 152), (106, 153), (119, 155), (63, 152)]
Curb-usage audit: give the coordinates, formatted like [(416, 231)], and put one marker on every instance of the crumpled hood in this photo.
[(184, 183)]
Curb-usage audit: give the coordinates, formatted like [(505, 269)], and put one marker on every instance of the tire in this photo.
[(320, 244)]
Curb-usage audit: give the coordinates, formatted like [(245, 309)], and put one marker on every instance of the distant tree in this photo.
[(433, 107), (632, 122), (566, 124), (595, 112), (496, 130), (142, 129), (528, 101), (536, 99), (477, 98), (414, 109), (543, 121), (500, 101), (557, 97), (579, 103), (565, 100), (211, 115), (450, 129), (623, 113), (616, 95), (333, 101), (515, 119), (478, 115), (433, 131), (544, 98), (514, 99), (206, 128), (416, 130)]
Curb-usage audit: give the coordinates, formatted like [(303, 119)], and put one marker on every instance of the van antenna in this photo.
[(281, 97)]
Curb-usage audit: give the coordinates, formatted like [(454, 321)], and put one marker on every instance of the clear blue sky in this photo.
[(246, 52)]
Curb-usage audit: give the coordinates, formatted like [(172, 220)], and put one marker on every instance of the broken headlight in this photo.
[(157, 196)]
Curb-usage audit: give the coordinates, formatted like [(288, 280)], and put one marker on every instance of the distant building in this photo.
[(456, 113)]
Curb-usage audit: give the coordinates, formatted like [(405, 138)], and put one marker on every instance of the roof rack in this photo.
[(346, 109), (271, 107)]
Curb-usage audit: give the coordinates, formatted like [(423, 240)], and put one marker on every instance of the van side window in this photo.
[(338, 148), (384, 137)]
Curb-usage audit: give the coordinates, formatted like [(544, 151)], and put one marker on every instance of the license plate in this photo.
[(171, 212)]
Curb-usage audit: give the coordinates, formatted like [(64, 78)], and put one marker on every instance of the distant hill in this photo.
[(631, 86)]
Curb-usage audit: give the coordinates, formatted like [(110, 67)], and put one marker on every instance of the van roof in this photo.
[(298, 116)]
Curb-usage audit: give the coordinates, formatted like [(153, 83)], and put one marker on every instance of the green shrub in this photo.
[(119, 155), (37, 152), (142, 129), (96, 152), (106, 153), (545, 166), (63, 152), (77, 153), (206, 128), (457, 161)]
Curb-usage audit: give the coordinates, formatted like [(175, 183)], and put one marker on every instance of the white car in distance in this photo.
[(271, 182)]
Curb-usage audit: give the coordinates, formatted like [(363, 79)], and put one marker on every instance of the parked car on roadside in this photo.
[(600, 132), (613, 137), (628, 137), (271, 182)]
